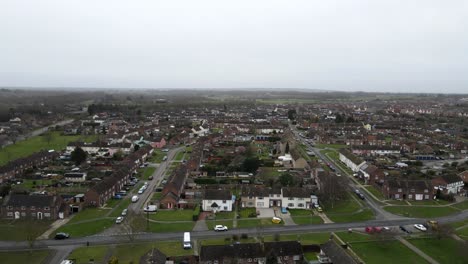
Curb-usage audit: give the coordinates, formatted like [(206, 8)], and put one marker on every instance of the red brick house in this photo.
[(172, 191), (416, 190), (23, 206), (17, 167)]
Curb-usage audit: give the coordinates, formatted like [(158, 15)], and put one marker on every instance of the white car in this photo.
[(119, 220), (220, 228), (124, 212), (420, 227)]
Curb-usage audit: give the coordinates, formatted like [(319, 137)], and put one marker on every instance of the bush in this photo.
[(235, 237), (244, 236), (196, 213)]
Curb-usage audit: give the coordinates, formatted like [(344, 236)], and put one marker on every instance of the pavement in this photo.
[(54, 226)]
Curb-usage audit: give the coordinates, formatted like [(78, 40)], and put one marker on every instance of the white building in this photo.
[(217, 201)]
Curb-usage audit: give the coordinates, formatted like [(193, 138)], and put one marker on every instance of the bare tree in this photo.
[(333, 189), (133, 224), (48, 137), (31, 233)]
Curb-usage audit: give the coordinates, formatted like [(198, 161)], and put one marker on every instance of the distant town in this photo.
[(232, 176)]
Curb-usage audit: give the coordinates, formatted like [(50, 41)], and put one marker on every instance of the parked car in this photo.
[(220, 228), (62, 235), (124, 212), (420, 227), (402, 228), (150, 208), (119, 220), (276, 220), (319, 209)]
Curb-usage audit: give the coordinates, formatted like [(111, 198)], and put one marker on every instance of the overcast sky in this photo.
[(348, 45)]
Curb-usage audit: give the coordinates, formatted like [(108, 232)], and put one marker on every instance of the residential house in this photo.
[(217, 201), (16, 168), (263, 197), (448, 184), (415, 190), (173, 189), (371, 174), (350, 160), (296, 197), (23, 206), (332, 253)]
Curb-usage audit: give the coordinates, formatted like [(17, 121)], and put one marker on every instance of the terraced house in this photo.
[(23, 206), (17, 167), (291, 197)]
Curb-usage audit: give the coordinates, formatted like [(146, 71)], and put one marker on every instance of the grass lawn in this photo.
[(420, 211), (211, 223), (353, 237), (269, 172), (119, 208), (225, 215), (462, 206), (375, 192), (180, 155), (387, 252), (364, 215), (16, 257), (29, 146), (156, 196), (248, 223), (157, 156), (245, 212), (19, 230), (299, 212), (171, 227), (87, 228), (82, 255), (144, 173), (306, 220), (173, 215), (349, 205), (89, 213), (445, 250), (463, 232)]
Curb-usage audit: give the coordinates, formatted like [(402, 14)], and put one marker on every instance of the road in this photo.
[(380, 214)]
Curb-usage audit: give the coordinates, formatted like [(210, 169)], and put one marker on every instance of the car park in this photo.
[(62, 235), (420, 227), (119, 220), (220, 228)]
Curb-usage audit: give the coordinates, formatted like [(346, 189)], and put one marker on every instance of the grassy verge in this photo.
[(173, 215), (171, 227), (364, 215), (245, 212), (89, 213), (462, 206), (386, 252), (120, 207), (29, 146), (18, 230), (378, 194), (16, 257), (86, 228), (249, 223), (421, 211), (445, 250), (307, 220), (83, 255)]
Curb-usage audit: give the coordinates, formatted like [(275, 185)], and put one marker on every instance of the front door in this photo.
[(39, 215), (17, 215)]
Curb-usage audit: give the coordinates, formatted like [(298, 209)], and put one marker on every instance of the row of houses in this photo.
[(17, 167)]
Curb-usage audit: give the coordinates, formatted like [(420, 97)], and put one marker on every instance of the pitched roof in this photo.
[(297, 192), (217, 195), (336, 253), (29, 200)]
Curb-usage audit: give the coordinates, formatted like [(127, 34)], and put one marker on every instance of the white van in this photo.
[(135, 199), (187, 244)]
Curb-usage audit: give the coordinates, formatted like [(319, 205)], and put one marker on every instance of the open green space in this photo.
[(307, 220), (120, 207), (245, 212), (19, 230), (445, 250), (172, 215), (29, 146), (385, 252), (364, 215), (349, 205), (421, 211), (146, 172), (171, 227), (378, 194), (157, 156), (462, 205), (255, 222), (180, 155), (83, 255), (87, 228), (30, 257), (88, 213)]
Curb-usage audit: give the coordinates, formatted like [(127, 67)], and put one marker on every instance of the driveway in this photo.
[(266, 212)]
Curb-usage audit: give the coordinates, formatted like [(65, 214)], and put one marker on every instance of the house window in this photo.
[(10, 207), (260, 198), (47, 208), (410, 196), (412, 190), (400, 190), (290, 198), (426, 190), (33, 214), (290, 204), (10, 214), (224, 201), (23, 213), (23, 207), (397, 196), (250, 204), (259, 204), (225, 207), (33, 207), (46, 214), (300, 205), (250, 260)]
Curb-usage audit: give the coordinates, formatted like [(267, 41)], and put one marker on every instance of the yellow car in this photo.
[(276, 220)]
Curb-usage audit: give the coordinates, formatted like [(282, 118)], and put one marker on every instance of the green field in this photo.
[(389, 252), (88, 214), (29, 146), (307, 220), (172, 215), (144, 173), (83, 255), (16, 257), (171, 227), (18, 230), (364, 215), (86, 228), (445, 250), (421, 211)]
